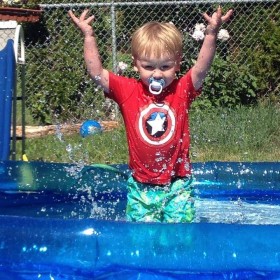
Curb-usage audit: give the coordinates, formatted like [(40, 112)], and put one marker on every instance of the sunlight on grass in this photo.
[(244, 134)]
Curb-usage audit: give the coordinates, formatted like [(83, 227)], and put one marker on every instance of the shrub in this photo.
[(227, 85), (62, 90), (265, 59)]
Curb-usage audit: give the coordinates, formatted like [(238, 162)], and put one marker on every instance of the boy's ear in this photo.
[(134, 64), (178, 64)]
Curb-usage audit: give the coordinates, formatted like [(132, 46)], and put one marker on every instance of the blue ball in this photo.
[(90, 127)]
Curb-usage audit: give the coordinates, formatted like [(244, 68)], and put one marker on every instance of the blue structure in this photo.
[(12, 53), (7, 86), (58, 221)]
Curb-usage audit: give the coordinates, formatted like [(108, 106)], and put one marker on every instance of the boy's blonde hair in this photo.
[(156, 38)]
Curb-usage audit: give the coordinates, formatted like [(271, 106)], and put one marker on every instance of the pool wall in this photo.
[(93, 247)]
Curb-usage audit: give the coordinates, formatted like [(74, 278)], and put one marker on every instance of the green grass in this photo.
[(106, 147), (244, 134)]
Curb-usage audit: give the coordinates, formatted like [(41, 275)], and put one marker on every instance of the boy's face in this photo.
[(164, 67)]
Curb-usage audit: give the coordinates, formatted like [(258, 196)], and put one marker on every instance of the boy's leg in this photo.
[(180, 205), (143, 203)]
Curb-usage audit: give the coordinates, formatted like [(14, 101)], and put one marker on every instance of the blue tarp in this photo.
[(7, 86)]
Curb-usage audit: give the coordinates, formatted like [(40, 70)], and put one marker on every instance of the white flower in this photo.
[(198, 35), (223, 35), (200, 27), (122, 66)]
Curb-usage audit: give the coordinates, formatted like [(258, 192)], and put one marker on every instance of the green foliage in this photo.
[(260, 50), (265, 59), (227, 85), (64, 91), (27, 4)]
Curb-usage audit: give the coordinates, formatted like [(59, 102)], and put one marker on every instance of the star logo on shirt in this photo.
[(156, 124)]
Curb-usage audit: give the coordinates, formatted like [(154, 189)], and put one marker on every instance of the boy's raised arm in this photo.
[(207, 51), (91, 54)]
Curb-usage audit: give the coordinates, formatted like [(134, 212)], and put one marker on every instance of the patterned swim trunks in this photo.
[(173, 203)]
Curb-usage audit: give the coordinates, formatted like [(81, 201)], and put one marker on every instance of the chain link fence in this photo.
[(59, 90), (57, 85)]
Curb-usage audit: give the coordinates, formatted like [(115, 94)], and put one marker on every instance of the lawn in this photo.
[(243, 134)]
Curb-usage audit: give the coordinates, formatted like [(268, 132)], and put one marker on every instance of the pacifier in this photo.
[(156, 85)]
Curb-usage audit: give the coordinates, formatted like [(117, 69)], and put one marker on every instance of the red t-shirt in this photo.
[(157, 127)]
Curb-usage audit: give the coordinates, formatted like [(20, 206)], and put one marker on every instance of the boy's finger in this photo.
[(227, 16), (219, 12), (70, 13), (73, 17), (83, 15), (206, 17), (90, 19)]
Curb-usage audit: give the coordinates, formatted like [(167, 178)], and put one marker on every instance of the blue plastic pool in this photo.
[(62, 221)]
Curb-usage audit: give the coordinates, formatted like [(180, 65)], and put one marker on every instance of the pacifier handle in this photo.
[(155, 92), (156, 86)]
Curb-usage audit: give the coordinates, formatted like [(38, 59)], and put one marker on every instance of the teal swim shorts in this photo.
[(173, 203)]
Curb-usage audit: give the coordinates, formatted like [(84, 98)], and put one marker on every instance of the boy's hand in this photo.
[(216, 20), (83, 23)]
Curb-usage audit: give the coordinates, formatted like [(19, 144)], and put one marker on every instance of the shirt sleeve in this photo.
[(120, 88)]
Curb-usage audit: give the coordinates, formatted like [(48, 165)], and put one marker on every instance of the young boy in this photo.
[(155, 111)]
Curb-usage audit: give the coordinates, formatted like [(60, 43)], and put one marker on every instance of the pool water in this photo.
[(60, 223), (226, 210)]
